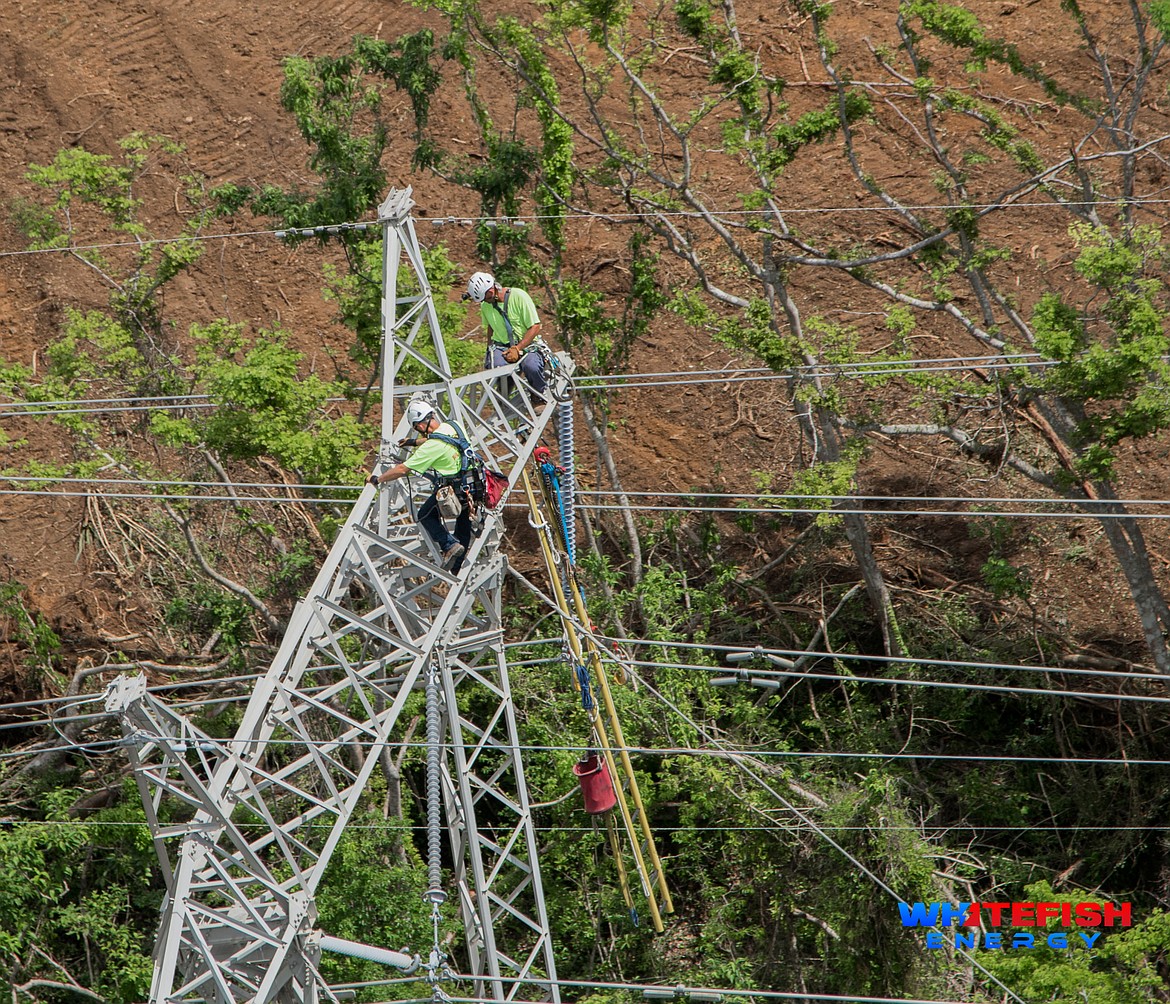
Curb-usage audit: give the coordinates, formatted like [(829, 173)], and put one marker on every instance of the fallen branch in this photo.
[(269, 618)]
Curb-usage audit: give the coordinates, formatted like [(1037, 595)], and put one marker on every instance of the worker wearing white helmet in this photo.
[(435, 456), (510, 318)]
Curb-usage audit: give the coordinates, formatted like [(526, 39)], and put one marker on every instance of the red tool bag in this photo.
[(495, 485)]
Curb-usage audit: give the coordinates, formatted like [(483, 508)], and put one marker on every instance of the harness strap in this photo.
[(468, 459), (512, 339)]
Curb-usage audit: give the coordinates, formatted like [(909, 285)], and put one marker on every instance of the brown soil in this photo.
[(207, 73)]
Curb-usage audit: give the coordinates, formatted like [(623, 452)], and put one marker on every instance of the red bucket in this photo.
[(596, 785)]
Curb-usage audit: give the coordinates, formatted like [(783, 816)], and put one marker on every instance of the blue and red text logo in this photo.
[(977, 919)]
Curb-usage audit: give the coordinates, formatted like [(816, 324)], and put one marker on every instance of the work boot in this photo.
[(453, 555)]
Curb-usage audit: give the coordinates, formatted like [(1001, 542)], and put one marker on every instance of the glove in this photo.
[(373, 480), (511, 354)]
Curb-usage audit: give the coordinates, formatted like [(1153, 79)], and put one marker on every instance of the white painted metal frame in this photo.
[(244, 828)]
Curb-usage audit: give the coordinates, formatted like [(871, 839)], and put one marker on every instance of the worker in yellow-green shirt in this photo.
[(509, 316), (436, 457)]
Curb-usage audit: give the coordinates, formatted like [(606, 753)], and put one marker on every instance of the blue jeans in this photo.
[(431, 520), (530, 366)]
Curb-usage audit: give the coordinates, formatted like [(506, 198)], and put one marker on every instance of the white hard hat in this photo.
[(479, 284), (418, 411)]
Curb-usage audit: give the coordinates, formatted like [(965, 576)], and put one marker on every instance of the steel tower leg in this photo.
[(257, 817)]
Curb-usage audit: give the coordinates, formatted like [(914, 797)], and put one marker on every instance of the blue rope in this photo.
[(550, 474), (586, 687)]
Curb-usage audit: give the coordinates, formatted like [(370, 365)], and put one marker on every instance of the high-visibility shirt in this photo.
[(521, 315), (435, 455)]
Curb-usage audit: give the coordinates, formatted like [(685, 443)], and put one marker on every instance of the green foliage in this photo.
[(77, 895), (28, 630), (100, 920), (1122, 968), (583, 323), (1002, 577), (557, 170), (738, 73), (870, 818), (337, 104), (694, 17), (77, 181), (1058, 330), (264, 407), (77, 176), (813, 127), (207, 611), (756, 331), (1159, 13), (960, 27), (1116, 360), (814, 484)]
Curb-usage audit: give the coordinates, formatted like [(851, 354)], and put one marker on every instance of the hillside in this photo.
[(209, 78), (968, 582)]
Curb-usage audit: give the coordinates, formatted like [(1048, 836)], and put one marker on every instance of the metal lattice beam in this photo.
[(245, 828)]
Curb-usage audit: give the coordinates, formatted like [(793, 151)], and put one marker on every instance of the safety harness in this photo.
[(471, 465)]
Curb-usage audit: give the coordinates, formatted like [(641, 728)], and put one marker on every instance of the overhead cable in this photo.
[(331, 229), (687, 496), (930, 831), (787, 510), (722, 751), (724, 648)]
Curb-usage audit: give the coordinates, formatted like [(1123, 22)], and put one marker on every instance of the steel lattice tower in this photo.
[(244, 828)]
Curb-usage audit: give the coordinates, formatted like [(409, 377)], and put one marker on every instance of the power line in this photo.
[(723, 648), (863, 369), (161, 496), (741, 510), (333, 229), (101, 400), (855, 511), (681, 991), (586, 383), (144, 242), (721, 751), (617, 379), (153, 483), (6, 412), (928, 831), (687, 496), (805, 654)]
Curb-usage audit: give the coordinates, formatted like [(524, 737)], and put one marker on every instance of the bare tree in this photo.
[(1068, 360)]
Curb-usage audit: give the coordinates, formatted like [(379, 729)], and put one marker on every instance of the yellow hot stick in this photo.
[(615, 848), (620, 740), (599, 725), (619, 737)]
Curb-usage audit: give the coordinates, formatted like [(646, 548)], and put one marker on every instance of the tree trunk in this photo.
[(827, 447), (1129, 547), (1059, 422), (857, 532), (602, 444)]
